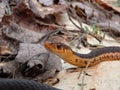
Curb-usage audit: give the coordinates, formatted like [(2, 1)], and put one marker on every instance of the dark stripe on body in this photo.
[(99, 51)]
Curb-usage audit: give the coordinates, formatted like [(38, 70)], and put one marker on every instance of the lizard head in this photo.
[(58, 48)]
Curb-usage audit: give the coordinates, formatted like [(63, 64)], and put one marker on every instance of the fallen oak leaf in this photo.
[(25, 18), (41, 11), (97, 13)]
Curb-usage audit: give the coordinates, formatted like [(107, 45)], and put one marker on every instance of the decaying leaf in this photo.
[(41, 11), (52, 81), (24, 26), (7, 69), (21, 34), (96, 12), (2, 9), (4, 50), (47, 2), (6, 54), (38, 60), (25, 18)]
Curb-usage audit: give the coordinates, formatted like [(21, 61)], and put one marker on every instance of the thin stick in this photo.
[(83, 72), (8, 7)]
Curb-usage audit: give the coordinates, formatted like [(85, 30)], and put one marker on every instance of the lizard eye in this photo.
[(59, 46)]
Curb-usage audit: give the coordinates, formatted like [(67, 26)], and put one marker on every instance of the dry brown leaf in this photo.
[(42, 11), (25, 18), (96, 12)]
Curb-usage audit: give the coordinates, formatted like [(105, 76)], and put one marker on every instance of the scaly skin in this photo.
[(81, 60)]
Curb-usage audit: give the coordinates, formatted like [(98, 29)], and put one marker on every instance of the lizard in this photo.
[(94, 57)]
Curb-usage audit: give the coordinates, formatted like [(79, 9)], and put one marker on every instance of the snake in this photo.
[(22, 84), (92, 58)]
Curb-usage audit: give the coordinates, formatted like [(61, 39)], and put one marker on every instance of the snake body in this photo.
[(94, 57), (16, 84)]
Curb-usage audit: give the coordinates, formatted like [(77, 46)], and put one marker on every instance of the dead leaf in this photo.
[(46, 2), (36, 60), (42, 11), (25, 18), (96, 12), (2, 9)]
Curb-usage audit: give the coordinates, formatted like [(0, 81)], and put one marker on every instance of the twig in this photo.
[(52, 25), (82, 31), (72, 21), (5, 58), (83, 72), (8, 7)]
